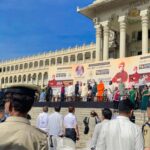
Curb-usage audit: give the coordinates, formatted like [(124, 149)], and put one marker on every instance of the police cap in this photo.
[(22, 90)]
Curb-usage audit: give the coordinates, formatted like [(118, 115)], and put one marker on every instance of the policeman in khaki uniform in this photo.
[(146, 130), (16, 133)]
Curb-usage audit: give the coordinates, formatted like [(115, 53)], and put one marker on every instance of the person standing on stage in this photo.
[(100, 91), (70, 92), (42, 96), (121, 88), (77, 91), (62, 93), (49, 94), (84, 92), (110, 91)]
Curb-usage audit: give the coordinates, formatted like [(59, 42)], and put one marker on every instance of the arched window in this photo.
[(4, 69), (66, 59), (12, 68), (29, 78), (59, 60), (53, 61), (21, 66), (47, 62), (15, 79), (35, 64), (10, 79), (25, 66), (8, 69), (2, 81), (34, 78), (80, 57), (87, 55), (24, 78), (72, 58), (19, 78), (41, 63), (6, 80), (16, 67), (30, 64), (94, 55)]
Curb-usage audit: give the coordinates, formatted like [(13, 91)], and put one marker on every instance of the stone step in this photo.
[(80, 114)]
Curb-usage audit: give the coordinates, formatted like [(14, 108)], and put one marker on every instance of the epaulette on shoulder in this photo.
[(146, 124), (41, 130)]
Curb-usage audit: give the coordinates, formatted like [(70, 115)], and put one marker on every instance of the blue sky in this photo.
[(34, 26)]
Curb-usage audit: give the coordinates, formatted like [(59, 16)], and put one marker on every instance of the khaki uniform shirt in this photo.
[(17, 134), (146, 133)]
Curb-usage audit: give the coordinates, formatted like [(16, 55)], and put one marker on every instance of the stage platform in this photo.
[(76, 104)]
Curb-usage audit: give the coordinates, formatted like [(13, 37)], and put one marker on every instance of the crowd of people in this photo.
[(109, 132), (58, 132), (138, 94)]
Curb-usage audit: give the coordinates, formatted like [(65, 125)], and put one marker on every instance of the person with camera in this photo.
[(106, 116), (89, 125)]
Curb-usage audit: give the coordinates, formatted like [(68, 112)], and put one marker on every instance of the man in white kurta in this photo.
[(121, 133), (110, 91), (55, 123), (42, 119), (106, 116)]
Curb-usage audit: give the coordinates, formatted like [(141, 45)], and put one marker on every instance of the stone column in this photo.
[(122, 21), (62, 60), (99, 50), (76, 58), (145, 20), (83, 54), (106, 40), (42, 81), (69, 59)]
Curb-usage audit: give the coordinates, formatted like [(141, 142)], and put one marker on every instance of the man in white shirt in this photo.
[(106, 116), (121, 133), (55, 123), (70, 92), (71, 126), (42, 96), (110, 91), (42, 119)]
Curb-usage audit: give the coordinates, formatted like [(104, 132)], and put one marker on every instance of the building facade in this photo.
[(122, 30), (122, 27), (37, 69)]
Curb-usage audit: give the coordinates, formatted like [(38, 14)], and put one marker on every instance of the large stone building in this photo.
[(35, 69), (123, 23), (122, 30)]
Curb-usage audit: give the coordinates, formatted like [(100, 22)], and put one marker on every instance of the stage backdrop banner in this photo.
[(129, 69)]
